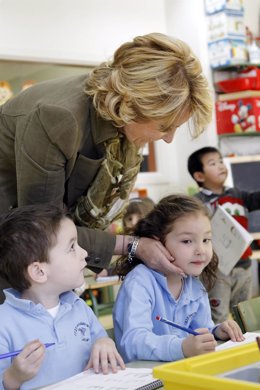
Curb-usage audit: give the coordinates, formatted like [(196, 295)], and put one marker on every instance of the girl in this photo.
[(182, 224)]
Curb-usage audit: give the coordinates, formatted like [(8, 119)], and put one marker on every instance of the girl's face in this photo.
[(66, 260), (189, 242)]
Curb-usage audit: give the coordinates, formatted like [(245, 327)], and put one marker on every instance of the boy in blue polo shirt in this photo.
[(42, 261)]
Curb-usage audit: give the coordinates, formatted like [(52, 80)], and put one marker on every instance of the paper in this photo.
[(249, 338), (128, 379), (103, 279), (229, 239)]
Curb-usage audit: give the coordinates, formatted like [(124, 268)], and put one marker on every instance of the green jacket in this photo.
[(51, 147)]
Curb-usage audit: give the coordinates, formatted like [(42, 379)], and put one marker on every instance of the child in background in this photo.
[(207, 168), (137, 208), (42, 261), (182, 224)]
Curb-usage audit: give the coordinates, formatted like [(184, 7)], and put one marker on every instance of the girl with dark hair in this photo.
[(182, 224)]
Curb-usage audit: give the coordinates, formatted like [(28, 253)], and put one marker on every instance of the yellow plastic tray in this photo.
[(199, 372)]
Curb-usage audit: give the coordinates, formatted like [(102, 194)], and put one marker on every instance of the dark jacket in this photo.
[(51, 147)]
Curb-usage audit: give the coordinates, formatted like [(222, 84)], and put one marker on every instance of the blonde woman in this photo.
[(78, 140)]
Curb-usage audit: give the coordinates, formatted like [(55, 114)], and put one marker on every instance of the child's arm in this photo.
[(104, 355), (25, 366), (197, 345), (228, 330)]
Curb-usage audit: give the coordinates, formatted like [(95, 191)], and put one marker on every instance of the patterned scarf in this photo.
[(107, 195)]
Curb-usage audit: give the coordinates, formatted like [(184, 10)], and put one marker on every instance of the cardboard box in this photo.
[(227, 52), (212, 6), (226, 24), (240, 115)]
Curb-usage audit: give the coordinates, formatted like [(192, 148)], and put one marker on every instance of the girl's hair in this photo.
[(26, 235), (153, 77), (159, 222)]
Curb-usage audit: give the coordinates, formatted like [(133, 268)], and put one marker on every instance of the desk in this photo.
[(92, 284)]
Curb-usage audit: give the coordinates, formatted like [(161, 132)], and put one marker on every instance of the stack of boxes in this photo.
[(226, 32), (238, 109)]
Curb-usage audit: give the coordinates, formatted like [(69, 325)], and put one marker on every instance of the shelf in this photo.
[(249, 134), (233, 67)]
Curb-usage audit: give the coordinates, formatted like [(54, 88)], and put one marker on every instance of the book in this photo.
[(229, 239), (128, 379), (250, 337)]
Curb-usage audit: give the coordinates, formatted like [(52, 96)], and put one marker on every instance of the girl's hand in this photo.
[(154, 254), (24, 366), (197, 345), (104, 355), (229, 330)]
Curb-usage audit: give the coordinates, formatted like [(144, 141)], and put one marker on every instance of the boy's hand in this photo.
[(197, 345), (229, 330), (24, 366), (104, 355)]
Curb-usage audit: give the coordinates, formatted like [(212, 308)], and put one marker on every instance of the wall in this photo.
[(74, 31)]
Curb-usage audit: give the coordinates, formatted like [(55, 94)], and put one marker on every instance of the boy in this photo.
[(207, 168), (42, 261)]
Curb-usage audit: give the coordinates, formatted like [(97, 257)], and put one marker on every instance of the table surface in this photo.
[(92, 284)]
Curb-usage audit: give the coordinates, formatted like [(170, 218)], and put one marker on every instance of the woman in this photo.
[(78, 140)]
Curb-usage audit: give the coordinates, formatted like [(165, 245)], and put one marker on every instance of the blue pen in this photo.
[(14, 353), (188, 330)]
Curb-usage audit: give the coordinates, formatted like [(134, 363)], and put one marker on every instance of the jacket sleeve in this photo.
[(45, 148), (251, 199), (139, 342)]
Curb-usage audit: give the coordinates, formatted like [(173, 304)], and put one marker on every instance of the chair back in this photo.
[(249, 312)]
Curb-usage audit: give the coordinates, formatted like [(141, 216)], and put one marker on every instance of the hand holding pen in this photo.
[(26, 365), (204, 341)]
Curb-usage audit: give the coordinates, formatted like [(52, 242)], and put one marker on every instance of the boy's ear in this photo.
[(199, 176), (37, 272)]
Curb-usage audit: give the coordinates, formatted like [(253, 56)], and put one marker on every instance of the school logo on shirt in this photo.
[(81, 330)]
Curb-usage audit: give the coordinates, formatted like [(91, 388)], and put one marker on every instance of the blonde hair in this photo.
[(154, 77)]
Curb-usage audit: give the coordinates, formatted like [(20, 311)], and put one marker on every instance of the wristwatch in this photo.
[(132, 248)]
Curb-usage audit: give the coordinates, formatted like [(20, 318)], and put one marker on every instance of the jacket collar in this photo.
[(208, 192), (102, 129)]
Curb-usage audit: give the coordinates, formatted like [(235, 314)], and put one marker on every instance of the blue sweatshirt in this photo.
[(143, 296), (73, 330)]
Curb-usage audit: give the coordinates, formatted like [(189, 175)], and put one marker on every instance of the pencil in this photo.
[(14, 353), (188, 330), (258, 342)]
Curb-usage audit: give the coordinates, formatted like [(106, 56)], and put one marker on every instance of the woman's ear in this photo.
[(199, 176), (37, 272)]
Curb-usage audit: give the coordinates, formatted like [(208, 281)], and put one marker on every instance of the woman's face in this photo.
[(141, 133)]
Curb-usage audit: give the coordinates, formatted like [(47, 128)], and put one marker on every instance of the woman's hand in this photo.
[(25, 366), (104, 355), (229, 330), (156, 256), (197, 345)]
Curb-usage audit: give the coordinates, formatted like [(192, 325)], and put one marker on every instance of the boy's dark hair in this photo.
[(158, 223), (26, 235), (195, 160)]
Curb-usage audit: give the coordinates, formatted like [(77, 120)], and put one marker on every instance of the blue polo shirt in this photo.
[(144, 295)]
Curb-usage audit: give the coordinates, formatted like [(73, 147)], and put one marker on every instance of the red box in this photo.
[(238, 116)]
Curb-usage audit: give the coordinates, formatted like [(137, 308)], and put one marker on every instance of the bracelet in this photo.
[(132, 248)]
